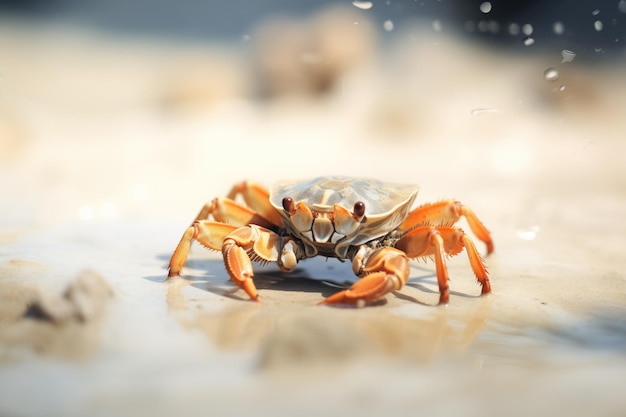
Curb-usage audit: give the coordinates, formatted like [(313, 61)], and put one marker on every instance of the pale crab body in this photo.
[(367, 221), (321, 216)]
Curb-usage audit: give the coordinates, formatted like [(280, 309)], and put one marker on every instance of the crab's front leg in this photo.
[(381, 271), (209, 233), (239, 246)]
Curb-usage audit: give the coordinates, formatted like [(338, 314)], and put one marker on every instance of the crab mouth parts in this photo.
[(322, 230), (323, 224)]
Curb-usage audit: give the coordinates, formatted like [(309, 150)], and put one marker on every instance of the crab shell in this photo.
[(322, 216)]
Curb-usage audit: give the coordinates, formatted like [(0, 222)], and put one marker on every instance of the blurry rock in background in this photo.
[(309, 56), (200, 78)]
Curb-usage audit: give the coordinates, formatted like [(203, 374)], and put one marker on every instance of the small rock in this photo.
[(83, 300)]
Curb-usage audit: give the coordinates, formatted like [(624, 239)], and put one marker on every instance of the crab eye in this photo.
[(359, 209), (288, 205)]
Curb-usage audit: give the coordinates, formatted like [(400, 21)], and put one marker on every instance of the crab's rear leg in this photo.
[(256, 197), (381, 271), (226, 210), (446, 213), (439, 242)]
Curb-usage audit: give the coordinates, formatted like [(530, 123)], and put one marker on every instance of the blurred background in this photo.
[(119, 119), (178, 84), (590, 27)]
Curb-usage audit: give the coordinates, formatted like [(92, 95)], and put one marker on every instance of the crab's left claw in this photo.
[(385, 270)]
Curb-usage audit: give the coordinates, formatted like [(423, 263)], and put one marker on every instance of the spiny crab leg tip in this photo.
[(490, 248)]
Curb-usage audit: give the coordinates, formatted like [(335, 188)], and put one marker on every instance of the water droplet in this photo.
[(528, 233), (363, 5), (493, 26), (528, 41), (437, 26), (558, 28), (527, 29), (480, 111), (562, 88), (485, 7), (388, 25), (551, 74), (622, 6), (568, 56), (598, 25), (514, 29), (596, 12)]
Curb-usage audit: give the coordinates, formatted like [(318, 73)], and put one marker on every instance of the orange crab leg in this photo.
[(446, 213), (256, 197), (441, 241), (209, 233), (260, 242), (238, 245), (385, 270), (226, 210), (440, 265)]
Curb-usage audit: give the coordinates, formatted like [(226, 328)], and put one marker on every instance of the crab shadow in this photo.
[(316, 275), (211, 276)]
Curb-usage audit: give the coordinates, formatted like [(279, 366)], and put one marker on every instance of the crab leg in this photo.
[(446, 213), (226, 210), (385, 270), (209, 233), (441, 241), (240, 246), (258, 198), (259, 242)]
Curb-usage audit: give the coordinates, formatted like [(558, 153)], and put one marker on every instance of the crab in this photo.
[(365, 221)]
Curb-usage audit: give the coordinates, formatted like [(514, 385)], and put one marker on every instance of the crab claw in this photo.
[(385, 270)]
